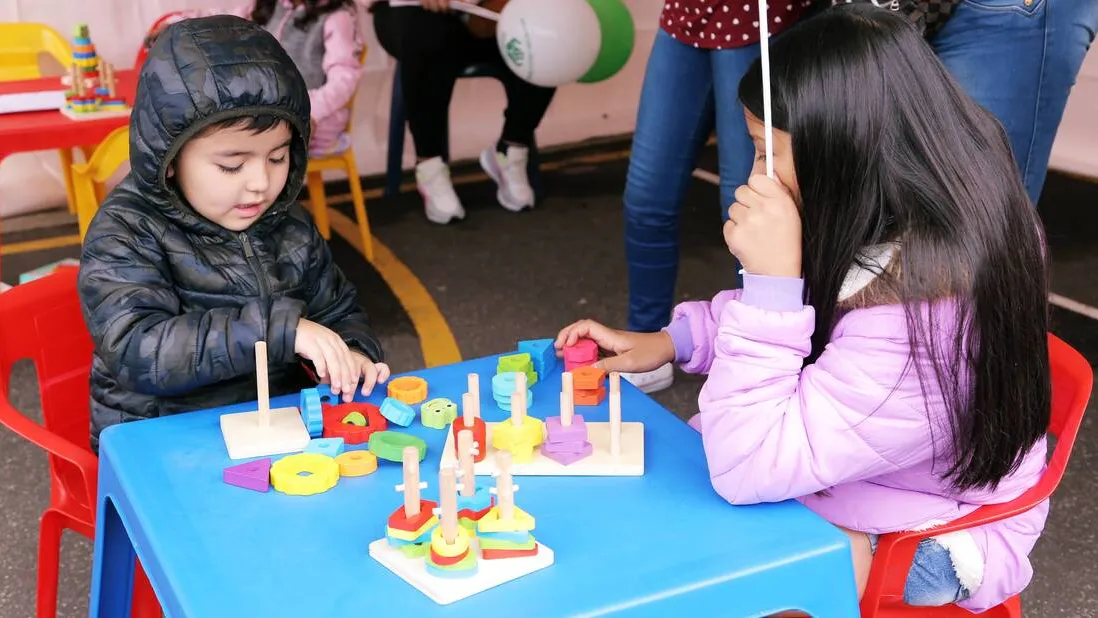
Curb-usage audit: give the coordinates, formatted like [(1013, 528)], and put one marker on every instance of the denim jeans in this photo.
[(683, 88), (932, 580), (1017, 60)]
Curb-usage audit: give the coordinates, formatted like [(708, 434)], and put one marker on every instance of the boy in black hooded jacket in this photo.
[(203, 249)]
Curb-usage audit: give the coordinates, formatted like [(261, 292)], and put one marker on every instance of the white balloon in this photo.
[(549, 42)]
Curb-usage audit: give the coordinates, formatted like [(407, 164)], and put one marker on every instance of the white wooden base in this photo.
[(110, 113), (630, 462), (244, 438), (443, 590)]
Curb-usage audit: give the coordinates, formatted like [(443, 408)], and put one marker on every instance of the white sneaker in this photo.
[(509, 172), (652, 381), (440, 202)]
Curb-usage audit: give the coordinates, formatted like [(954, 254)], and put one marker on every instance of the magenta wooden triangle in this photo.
[(255, 475)]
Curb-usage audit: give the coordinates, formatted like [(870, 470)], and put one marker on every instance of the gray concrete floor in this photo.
[(500, 277)]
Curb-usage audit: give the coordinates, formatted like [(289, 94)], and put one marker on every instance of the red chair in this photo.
[(1072, 380), (41, 321)]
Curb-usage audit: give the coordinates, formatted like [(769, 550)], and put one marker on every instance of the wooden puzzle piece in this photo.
[(390, 445), (409, 390), (254, 475), (438, 413), (343, 421), (304, 474), (397, 412), (356, 463), (332, 447), (312, 412), (543, 354)]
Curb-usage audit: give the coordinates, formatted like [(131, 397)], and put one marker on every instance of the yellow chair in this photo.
[(21, 46), (89, 179), (342, 161)]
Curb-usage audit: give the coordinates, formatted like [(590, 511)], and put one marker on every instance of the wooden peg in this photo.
[(518, 400), (110, 80), (447, 487), (615, 413), (465, 460), (468, 412), (474, 390), (505, 489), (261, 384), (411, 481), (567, 405)]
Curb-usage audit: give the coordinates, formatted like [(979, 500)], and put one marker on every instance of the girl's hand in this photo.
[(334, 361), (372, 374), (763, 229), (633, 352)]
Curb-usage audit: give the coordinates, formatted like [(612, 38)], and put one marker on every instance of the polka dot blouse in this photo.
[(724, 24)]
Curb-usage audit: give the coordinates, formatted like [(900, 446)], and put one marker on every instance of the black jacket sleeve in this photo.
[(333, 303), (135, 319)]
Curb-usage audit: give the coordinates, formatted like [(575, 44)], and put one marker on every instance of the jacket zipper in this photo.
[(253, 261)]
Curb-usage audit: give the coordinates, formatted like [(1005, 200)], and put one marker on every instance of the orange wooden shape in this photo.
[(589, 398), (587, 378)]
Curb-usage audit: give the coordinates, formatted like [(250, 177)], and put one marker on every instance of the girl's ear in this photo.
[(171, 171)]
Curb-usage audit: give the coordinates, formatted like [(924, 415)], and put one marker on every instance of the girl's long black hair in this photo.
[(887, 147), (314, 10)]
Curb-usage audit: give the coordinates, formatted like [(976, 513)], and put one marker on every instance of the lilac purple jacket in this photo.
[(854, 423)]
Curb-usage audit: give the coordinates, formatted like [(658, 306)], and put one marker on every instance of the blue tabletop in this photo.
[(619, 542)]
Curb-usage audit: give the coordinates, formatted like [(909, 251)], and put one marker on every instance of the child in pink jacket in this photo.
[(886, 360), (322, 38)]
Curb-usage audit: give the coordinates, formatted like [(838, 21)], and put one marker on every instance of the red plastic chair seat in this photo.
[(41, 321), (1072, 381)]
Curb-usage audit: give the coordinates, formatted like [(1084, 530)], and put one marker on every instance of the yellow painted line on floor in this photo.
[(40, 245), (435, 337)]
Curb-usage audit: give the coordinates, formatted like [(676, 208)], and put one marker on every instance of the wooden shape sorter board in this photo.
[(630, 462), (443, 590)]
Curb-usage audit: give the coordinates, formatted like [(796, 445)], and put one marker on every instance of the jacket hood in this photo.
[(202, 71)]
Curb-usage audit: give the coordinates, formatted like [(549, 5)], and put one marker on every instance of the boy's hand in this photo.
[(634, 352), (372, 374), (335, 363), (764, 229)]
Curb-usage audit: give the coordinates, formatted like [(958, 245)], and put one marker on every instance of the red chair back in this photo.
[(41, 321), (1072, 382), (143, 52)]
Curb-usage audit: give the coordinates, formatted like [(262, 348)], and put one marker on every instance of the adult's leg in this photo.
[(432, 49), (507, 162), (1019, 60), (673, 120), (735, 150), (526, 102)]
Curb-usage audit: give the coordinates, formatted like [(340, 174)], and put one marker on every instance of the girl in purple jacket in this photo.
[(886, 360)]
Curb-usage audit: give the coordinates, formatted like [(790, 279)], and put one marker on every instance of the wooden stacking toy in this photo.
[(470, 419), (521, 434), (410, 525)]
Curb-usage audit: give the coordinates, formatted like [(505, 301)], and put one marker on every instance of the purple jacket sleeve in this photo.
[(773, 429)]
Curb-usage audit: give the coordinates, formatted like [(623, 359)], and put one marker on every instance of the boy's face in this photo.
[(233, 175)]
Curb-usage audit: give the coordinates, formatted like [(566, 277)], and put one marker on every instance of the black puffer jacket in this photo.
[(174, 302)]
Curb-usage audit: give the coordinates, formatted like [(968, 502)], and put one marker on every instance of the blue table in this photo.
[(659, 545)]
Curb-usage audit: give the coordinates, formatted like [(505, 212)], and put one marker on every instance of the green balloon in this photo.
[(618, 34)]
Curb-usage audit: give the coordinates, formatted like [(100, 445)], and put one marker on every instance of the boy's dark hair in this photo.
[(255, 123), (888, 147), (314, 10)]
